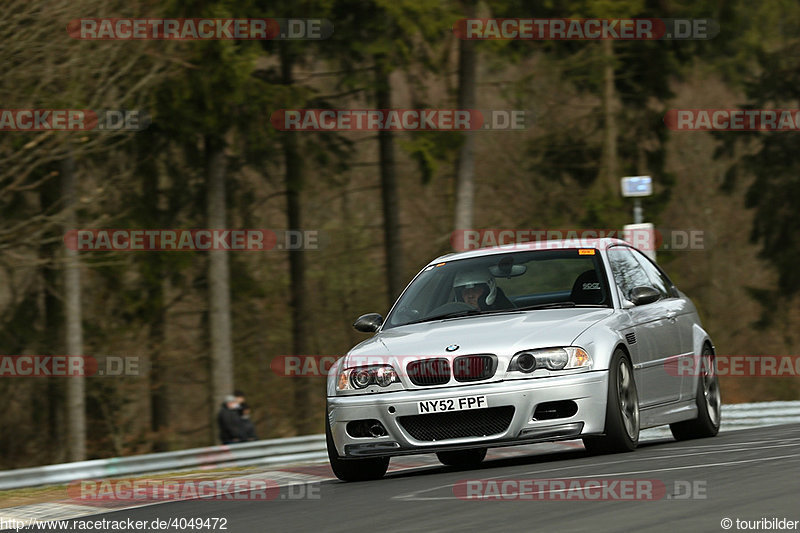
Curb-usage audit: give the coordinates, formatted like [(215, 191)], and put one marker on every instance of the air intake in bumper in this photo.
[(458, 424)]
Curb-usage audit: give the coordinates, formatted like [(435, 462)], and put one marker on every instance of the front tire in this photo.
[(622, 410), (462, 458), (353, 469), (709, 402)]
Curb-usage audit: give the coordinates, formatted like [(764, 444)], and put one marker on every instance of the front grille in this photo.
[(474, 367), (427, 372), (458, 424)]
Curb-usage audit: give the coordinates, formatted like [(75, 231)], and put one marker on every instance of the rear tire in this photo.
[(622, 410), (709, 402), (462, 458), (353, 469)]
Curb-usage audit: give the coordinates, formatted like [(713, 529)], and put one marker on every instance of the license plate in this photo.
[(452, 404)]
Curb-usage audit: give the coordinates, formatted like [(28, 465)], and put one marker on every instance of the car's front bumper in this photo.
[(588, 390)]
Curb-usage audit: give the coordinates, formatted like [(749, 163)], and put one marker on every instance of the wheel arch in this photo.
[(601, 343), (700, 340), (621, 346)]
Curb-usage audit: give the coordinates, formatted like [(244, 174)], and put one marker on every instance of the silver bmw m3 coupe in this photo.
[(543, 341)]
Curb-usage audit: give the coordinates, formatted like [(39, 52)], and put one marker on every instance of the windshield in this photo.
[(501, 283)]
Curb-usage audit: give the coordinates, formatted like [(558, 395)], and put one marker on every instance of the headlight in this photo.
[(566, 358), (363, 376), (526, 362), (385, 376)]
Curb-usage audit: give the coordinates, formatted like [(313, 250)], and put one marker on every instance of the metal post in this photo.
[(637, 211)]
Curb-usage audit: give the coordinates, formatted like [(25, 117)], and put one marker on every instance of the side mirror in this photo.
[(368, 323), (644, 295)]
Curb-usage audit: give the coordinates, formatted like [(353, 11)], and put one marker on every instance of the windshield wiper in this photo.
[(470, 312), (556, 305), (453, 314)]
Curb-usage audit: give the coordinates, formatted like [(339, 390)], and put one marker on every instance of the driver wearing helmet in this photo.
[(476, 288)]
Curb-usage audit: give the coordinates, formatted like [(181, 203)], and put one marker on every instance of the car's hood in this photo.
[(501, 334)]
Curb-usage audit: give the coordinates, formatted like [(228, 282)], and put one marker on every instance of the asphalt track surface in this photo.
[(748, 475)]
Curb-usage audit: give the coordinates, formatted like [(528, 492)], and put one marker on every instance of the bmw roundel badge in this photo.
[(452, 348)]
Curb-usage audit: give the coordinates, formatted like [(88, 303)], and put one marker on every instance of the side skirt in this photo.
[(659, 415)]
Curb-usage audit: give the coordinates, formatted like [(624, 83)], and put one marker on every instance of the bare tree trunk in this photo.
[(297, 259), (642, 165), (52, 330), (391, 211), (76, 403), (156, 294), (159, 409), (55, 387), (465, 165), (219, 299), (610, 107)]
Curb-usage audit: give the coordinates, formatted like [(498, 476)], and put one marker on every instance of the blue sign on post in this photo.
[(637, 186)]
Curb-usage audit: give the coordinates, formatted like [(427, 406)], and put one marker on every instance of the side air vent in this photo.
[(630, 337)]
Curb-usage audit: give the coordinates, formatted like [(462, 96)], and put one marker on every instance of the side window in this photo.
[(628, 273), (659, 280)]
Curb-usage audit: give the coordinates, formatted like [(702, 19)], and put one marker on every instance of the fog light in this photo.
[(365, 428)]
